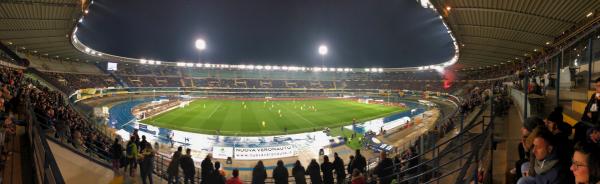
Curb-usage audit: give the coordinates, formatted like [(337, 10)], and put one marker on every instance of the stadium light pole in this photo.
[(200, 45), (323, 51)]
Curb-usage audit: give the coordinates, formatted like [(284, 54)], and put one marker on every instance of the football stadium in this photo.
[(322, 92)]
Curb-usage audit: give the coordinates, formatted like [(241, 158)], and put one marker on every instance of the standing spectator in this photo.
[(280, 173), (207, 169), (117, 153), (143, 143), (313, 171), (586, 163), (235, 179), (327, 169), (357, 178), (340, 171), (173, 168), (216, 175), (259, 173), (350, 162), (187, 165), (299, 173), (385, 169), (359, 162), (132, 154), (147, 163)]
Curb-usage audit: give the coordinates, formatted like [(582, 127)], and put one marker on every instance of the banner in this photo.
[(222, 152), (264, 153)]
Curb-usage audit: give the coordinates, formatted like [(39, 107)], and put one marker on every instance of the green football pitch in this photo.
[(254, 118)]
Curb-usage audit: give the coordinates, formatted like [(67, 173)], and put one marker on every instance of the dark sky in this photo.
[(359, 33)]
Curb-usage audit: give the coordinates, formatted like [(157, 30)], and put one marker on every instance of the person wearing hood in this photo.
[(327, 169), (299, 173), (561, 132), (340, 171), (545, 165), (280, 173), (259, 173), (313, 171)]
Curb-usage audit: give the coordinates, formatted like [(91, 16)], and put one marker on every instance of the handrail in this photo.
[(45, 165)]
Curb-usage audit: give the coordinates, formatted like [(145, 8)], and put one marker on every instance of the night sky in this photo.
[(359, 33)]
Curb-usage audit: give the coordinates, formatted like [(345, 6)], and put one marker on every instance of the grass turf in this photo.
[(235, 117)]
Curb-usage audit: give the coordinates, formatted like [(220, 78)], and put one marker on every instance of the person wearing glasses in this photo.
[(586, 164)]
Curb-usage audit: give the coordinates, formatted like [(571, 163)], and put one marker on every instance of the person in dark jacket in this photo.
[(314, 172), (591, 116), (116, 154), (359, 162), (173, 168), (299, 173), (338, 165), (259, 174), (280, 173), (385, 169), (187, 165), (350, 170), (147, 163), (207, 169), (327, 169), (216, 176)]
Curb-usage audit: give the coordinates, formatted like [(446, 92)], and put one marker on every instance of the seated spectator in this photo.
[(529, 128), (545, 166), (586, 163), (590, 117), (235, 179)]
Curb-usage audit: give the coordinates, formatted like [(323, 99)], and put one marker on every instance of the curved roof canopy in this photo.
[(496, 32)]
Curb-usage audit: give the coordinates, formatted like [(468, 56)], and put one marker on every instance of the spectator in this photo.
[(173, 168), (327, 169), (187, 165), (357, 178), (299, 173), (235, 179), (280, 173), (384, 169), (313, 171), (545, 165), (586, 163), (531, 124), (561, 132), (594, 136), (359, 162), (147, 163), (338, 165), (216, 176), (259, 174), (207, 169), (117, 153), (143, 143), (350, 162), (132, 154), (590, 117)]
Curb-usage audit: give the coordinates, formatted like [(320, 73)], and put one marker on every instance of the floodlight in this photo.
[(158, 62), (323, 50), (200, 44)]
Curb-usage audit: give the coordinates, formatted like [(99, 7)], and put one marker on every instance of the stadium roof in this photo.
[(496, 32), (41, 27)]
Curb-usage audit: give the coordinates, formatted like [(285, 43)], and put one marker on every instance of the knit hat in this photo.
[(532, 122), (556, 116)]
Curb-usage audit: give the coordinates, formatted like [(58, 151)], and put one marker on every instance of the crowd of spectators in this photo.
[(553, 151)]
